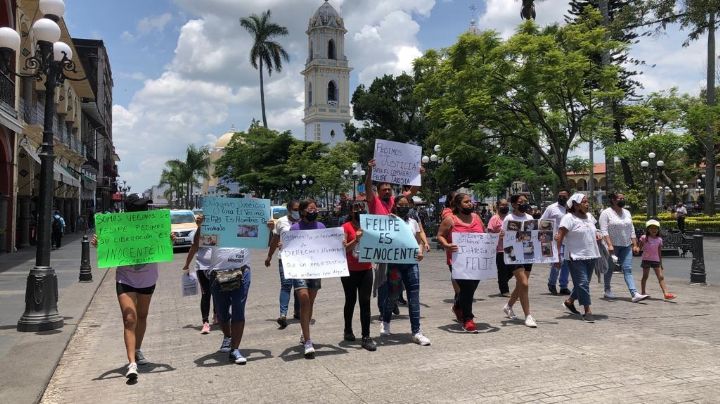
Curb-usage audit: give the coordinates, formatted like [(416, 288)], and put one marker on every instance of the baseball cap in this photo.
[(137, 201), (652, 222)]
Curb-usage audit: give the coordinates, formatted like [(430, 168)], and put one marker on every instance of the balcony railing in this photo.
[(7, 91)]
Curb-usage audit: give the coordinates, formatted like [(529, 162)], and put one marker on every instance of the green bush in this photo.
[(705, 225)]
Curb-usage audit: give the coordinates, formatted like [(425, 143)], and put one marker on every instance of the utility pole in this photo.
[(710, 137), (605, 61)]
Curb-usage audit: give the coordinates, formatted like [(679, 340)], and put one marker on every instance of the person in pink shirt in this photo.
[(651, 244), (504, 272)]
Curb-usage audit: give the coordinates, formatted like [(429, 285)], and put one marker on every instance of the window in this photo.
[(332, 92), (331, 49), (309, 95), (310, 53), (332, 134)]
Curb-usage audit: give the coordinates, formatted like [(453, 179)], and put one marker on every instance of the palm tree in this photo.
[(172, 176), (197, 161), (265, 51)]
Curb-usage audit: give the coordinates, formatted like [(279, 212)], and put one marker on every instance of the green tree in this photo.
[(197, 161), (265, 51), (173, 176)]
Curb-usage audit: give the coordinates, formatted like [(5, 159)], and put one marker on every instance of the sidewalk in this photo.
[(653, 351), (30, 358)]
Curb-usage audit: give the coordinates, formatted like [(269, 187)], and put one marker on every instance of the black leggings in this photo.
[(465, 297), (504, 273), (206, 296), (358, 284)]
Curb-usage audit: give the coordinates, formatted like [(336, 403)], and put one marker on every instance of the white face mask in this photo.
[(295, 215)]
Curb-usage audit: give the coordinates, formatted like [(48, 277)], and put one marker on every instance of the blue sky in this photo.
[(181, 73)]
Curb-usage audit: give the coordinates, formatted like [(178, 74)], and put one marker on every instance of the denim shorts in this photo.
[(314, 284)]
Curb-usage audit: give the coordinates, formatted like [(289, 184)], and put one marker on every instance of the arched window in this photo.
[(331, 49), (310, 51), (332, 134), (309, 94), (332, 92)]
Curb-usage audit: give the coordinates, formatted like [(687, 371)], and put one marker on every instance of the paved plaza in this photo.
[(653, 351)]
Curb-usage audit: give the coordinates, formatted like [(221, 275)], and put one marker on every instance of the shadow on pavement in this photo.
[(297, 352), (142, 369), (221, 358), (456, 328)]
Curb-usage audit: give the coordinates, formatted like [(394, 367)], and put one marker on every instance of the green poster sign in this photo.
[(133, 238)]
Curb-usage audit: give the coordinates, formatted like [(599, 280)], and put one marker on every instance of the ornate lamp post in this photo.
[(303, 182), (356, 174), (654, 166), (431, 162), (52, 59), (545, 191), (124, 189)]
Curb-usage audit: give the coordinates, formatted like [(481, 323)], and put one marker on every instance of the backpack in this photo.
[(56, 226)]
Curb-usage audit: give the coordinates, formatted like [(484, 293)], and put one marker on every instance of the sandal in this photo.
[(669, 296)]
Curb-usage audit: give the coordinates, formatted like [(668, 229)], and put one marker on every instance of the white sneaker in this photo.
[(226, 343), (608, 294), (132, 373), (530, 321), (140, 358), (236, 356), (638, 297), (309, 349), (385, 328), (420, 339), (509, 313)]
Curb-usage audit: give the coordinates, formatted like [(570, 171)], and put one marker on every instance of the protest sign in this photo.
[(396, 163), (525, 244), (387, 239), (313, 254), (133, 238), (235, 223), (475, 258)]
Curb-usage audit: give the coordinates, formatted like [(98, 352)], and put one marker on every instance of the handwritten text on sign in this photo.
[(313, 254), (133, 238), (396, 163), (475, 258), (235, 222), (387, 239)]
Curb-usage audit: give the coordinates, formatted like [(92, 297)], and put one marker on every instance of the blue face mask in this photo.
[(295, 215)]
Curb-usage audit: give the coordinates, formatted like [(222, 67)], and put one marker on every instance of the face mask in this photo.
[(562, 201), (504, 210), (524, 208), (311, 216), (403, 211), (620, 203), (294, 215), (466, 211), (386, 198)]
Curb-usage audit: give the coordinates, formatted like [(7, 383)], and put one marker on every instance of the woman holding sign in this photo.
[(359, 283), (515, 222), (462, 220)]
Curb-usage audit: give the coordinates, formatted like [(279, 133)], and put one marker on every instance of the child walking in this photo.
[(651, 244)]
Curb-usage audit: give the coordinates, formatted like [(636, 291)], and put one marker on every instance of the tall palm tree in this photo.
[(173, 177), (265, 51), (197, 161)]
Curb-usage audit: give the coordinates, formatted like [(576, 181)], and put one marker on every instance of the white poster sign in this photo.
[(397, 163), (475, 258), (313, 254), (530, 242)]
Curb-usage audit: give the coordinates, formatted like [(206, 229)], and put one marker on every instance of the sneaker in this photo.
[(565, 291), (570, 307), (236, 356), (349, 336), (282, 322), (639, 297), (469, 326), (226, 343), (420, 339), (205, 328), (369, 344), (669, 296), (132, 373), (509, 313), (385, 328), (588, 318), (608, 294), (458, 313), (530, 321), (309, 349), (553, 290), (140, 358)]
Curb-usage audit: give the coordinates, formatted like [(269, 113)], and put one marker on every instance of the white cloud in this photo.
[(151, 24), (504, 15)]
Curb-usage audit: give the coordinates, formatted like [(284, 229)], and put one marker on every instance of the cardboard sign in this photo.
[(530, 242), (397, 163), (235, 223), (313, 254), (133, 238), (475, 258), (387, 239)]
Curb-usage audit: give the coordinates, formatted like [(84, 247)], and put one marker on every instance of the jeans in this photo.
[(235, 298), (465, 297), (408, 275), (624, 255), (504, 273), (358, 285), (285, 288), (563, 273), (205, 296), (581, 272)]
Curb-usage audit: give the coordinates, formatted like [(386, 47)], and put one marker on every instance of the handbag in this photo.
[(230, 280)]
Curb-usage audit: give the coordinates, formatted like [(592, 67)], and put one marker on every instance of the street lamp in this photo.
[(51, 60), (304, 181), (654, 166), (545, 191), (124, 189), (356, 174)]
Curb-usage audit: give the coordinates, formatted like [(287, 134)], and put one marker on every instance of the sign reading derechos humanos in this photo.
[(313, 254), (133, 238), (397, 163)]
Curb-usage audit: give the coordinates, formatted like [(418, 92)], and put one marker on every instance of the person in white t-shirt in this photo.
[(283, 224), (559, 271), (579, 235)]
